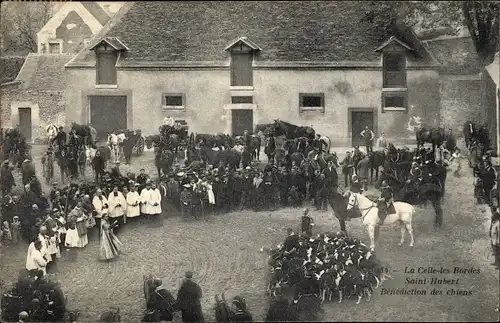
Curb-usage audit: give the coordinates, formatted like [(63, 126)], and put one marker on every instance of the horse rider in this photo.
[(318, 146), (241, 314), (385, 201), (415, 175), (357, 155), (382, 142), (61, 138), (368, 136), (188, 300)]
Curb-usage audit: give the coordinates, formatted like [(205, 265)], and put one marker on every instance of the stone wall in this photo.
[(50, 105)]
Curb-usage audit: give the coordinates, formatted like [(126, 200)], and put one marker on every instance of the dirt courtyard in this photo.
[(223, 251)]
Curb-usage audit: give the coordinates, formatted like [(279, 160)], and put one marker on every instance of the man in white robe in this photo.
[(34, 259), (133, 202), (155, 201), (100, 203), (117, 206), (145, 198)]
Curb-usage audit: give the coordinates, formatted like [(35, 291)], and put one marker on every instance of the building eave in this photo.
[(393, 39), (109, 41), (245, 41)]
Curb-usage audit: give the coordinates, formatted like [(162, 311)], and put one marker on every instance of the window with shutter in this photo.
[(54, 48), (394, 70), (106, 69), (241, 69)]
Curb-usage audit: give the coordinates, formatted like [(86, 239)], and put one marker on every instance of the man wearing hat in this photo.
[(188, 300), (142, 178), (6, 179), (385, 202)]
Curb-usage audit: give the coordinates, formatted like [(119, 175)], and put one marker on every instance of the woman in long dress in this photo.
[(110, 245)]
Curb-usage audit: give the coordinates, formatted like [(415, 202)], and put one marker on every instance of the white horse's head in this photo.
[(353, 201)]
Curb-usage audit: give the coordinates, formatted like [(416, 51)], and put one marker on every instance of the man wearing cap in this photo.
[(188, 300), (100, 203), (133, 202), (117, 205), (6, 178), (385, 201)]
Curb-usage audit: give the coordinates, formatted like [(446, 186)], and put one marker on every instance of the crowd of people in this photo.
[(64, 220)]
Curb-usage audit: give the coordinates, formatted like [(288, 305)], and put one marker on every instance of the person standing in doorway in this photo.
[(368, 136)]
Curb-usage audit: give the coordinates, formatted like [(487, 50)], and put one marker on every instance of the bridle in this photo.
[(368, 209)]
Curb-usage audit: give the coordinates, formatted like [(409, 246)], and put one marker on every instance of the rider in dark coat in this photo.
[(241, 314), (386, 196), (188, 300)]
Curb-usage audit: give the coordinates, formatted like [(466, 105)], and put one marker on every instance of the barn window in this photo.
[(106, 68), (394, 67), (394, 101), (241, 99), (55, 48), (241, 69), (312, 102), (173, 101)]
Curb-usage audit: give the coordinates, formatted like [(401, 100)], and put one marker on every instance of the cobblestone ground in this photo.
[(223, 251)]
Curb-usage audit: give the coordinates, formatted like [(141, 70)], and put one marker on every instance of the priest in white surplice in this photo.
[(100, 203), (145, 200), (117, 206), (155, 200), (133, 202)]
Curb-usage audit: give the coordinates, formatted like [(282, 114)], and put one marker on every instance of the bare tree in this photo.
[(20, 23)]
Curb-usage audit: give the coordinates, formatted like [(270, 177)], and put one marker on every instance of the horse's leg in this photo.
[(403, 229), (371, 234), (409, 228)]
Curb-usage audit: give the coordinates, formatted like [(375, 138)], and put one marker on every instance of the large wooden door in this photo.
[(108, 113), (359, 120), (242, 120), (25, 122)]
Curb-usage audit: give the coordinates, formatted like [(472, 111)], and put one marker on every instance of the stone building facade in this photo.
[(335, 73)]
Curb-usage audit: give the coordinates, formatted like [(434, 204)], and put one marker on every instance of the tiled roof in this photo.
[(456, 55), (44, 72), (285, 30), (97, 11)]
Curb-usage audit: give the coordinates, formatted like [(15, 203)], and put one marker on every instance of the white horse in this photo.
[(115, 144), (51, 133), (370, 217)]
